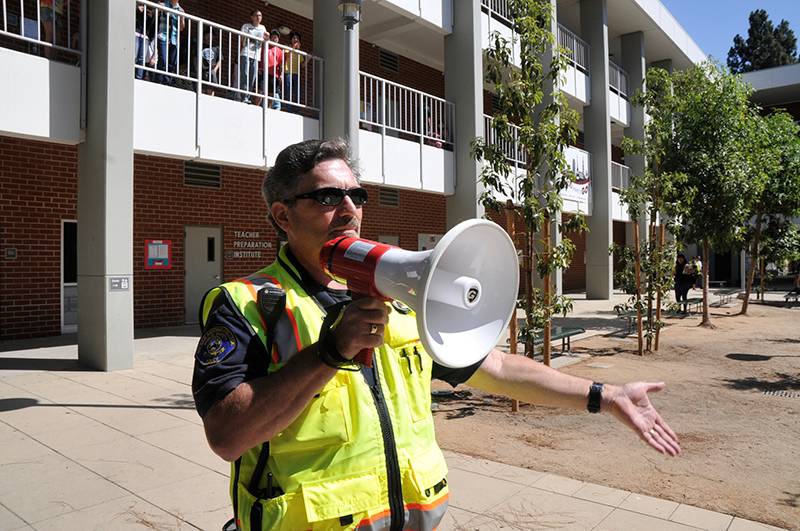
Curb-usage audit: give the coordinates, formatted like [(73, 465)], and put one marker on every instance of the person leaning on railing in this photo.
[(168, 42), (291, 70), (212, 62), (274, 68), (52, 16)]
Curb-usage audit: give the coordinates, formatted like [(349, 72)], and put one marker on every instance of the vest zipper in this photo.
[(395, 484)]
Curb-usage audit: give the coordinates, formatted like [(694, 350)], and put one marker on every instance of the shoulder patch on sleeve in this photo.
[(215, 345)]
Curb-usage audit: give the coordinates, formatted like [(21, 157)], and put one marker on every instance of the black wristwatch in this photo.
[(595, 397)]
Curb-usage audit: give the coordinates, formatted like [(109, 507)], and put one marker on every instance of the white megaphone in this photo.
[(464, 290)]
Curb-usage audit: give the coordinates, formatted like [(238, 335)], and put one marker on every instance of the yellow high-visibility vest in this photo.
[(357, 454)]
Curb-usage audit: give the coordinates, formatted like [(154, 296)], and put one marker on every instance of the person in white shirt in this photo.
[(250, 55)]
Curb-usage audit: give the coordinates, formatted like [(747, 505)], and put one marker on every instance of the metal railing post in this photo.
[(199, 90)]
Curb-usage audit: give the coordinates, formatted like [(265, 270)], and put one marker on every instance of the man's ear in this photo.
[(280, 213)]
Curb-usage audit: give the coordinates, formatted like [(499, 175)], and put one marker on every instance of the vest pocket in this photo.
[(333, 498), (280, 513), (416, 366), (324, 422)]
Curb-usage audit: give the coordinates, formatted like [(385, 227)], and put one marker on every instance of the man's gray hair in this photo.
[(280, 182)]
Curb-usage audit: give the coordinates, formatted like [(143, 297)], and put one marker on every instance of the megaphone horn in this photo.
[(463, 291)]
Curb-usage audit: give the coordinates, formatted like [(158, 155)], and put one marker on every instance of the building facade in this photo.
[(133, 141)]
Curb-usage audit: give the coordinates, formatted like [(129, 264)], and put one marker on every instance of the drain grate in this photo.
[(782, 394)]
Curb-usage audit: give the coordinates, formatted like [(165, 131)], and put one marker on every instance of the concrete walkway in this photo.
[(125, 450)]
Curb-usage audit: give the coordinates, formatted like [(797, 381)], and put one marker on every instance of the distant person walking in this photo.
[(684, 280)]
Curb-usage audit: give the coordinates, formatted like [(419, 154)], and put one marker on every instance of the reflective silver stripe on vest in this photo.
[(416, 518)]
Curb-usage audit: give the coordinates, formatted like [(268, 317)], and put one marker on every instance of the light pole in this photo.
[(351, 16)]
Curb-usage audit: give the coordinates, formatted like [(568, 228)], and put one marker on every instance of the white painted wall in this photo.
[(619, 210), (575, 83), (406, 164), (619, 108), (437, 13), (171, 122), (39, 99), (490, 25), (668, 24)]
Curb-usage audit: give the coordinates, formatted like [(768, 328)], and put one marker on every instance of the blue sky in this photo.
[(713, 23)]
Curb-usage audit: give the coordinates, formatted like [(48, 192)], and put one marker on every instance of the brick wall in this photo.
[(163, 206), (574, 277), (38, 188)]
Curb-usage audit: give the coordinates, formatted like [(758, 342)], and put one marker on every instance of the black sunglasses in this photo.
[(335, 196)]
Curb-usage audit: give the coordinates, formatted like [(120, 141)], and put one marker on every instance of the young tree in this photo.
[(649, 196), (543, 126), (766, 45), (709, 124), (774, 153)]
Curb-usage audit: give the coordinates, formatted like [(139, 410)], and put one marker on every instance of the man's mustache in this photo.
[(350, 223)]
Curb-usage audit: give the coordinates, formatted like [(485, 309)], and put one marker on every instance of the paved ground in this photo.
[(125, 450)]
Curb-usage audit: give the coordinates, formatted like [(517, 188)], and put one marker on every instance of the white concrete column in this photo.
[(463, 77), (597, 134), (105, 192), (339, 48)]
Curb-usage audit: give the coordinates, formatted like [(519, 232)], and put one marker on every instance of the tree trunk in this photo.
[(512, 325), (650, 278), (638, 287), (528, 291), (706, 320), (658, 289), (748, 287), (763, 277), (546, 287)]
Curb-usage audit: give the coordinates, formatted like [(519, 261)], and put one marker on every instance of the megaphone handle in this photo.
[(364, 357)]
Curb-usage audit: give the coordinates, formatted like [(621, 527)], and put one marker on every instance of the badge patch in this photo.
[(400, 307), (215, 346)]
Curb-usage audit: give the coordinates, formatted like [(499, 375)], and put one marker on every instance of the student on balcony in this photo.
[(169, 25), (250, 56), (274, 68), (52, 13), (211, 64), (291, 70)]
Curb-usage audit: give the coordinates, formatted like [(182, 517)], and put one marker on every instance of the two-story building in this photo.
[(133, 140)]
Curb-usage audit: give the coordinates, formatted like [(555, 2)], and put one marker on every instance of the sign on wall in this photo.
[(158, 254), (428, 241), (247, 244)]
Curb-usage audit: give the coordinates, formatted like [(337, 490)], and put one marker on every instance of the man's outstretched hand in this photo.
[(631, 406)]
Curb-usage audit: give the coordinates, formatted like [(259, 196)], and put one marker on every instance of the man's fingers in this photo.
[(655, 386), (668, 440), (661, 425), (650, 438)]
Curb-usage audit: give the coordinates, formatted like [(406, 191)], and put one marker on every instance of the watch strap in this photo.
[(595, 397)]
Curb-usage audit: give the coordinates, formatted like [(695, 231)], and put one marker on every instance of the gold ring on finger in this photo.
[(373, 329)]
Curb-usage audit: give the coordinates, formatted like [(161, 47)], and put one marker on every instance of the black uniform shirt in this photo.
[(229, 353)]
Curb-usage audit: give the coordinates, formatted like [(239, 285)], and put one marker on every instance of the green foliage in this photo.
[(766, 45), (708, 146), (539, 120)]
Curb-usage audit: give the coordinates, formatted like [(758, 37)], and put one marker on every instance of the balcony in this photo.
[(406, 137), (40, 96), (576, 197), (620, 180), (195, 106), (575, 81), (618, 87), (496, 16)]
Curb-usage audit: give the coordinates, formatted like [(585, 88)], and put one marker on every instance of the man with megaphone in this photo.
[(320, 396)]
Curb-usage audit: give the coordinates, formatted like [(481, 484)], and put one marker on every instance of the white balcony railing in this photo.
[(401, 111), (618, 79), (37, 29), (620, 176), (577, 49), (500, 9), (511, 148), (183, 50)]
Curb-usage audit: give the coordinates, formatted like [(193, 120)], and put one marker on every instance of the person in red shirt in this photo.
[(274, 68)]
